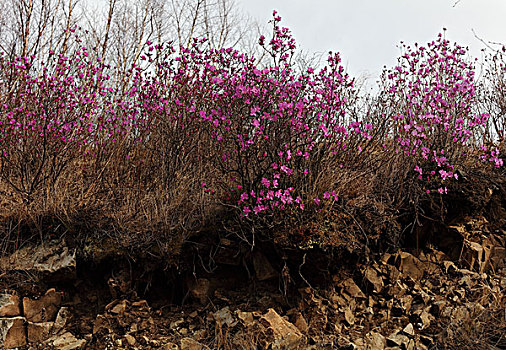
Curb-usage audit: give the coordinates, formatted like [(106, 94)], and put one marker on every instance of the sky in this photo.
[(367, 33)]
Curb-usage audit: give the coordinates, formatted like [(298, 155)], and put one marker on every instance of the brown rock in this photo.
[(130, 339), (476, 256), (410, 265), (46, 259), (375, 341), (246, 318), (39, 332), (348, 316), (12, 332), (9, 305), (262, 266), (397, 339), (169, 346), (409, 330), (62, 318), (200, 288), (67, 341), (372, 276), (101, 324), (190, 344), (119, 308), (224, 317), (281, 333), (43, 309), (298, 320), (350, 287)]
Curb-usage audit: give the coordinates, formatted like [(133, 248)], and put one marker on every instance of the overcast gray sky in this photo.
[(367, 32)]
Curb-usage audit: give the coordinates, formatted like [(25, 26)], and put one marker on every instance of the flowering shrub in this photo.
[(432, 93), (187, 134), (264, 126)]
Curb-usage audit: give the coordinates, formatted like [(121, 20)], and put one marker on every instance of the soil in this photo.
[(273, 299)]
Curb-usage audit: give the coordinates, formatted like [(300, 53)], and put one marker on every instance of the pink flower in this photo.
[(317, 201)]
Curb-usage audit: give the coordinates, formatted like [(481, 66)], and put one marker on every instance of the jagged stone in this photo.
[(169, 346), (409, 330), (46, 259), (39, 332), (12, 332), (375, 341), (62, 318), (281, 334), (298, 320), (262, 266), (43, 309), (372, 276), (351, 288), (224, 317), (67, 341), (190, 344), (200, 289), (9, 304), (246, 318), (130, 339), (410, 265)]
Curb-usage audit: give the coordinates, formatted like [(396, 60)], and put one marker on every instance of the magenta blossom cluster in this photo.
[(266, 123), (433, 96)]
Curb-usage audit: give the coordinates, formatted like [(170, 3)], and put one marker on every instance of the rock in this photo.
[(200, 289), (246, 318), (410, 265), (348, 316), (298, 320), (397, 339), (130, 339), (409, 330), (175, 324), (372, 276), (12, 332), (56, 260), (262, 266), (101, 324), (118, 308), (169, 346), (425, 319), (43, 309), (224, 317), (9, 304), (375, 341), (39, 332), (190, 344), (476, 256), (67, 341), (141, 304), (351, 288), (62, 318), (282, 334)]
